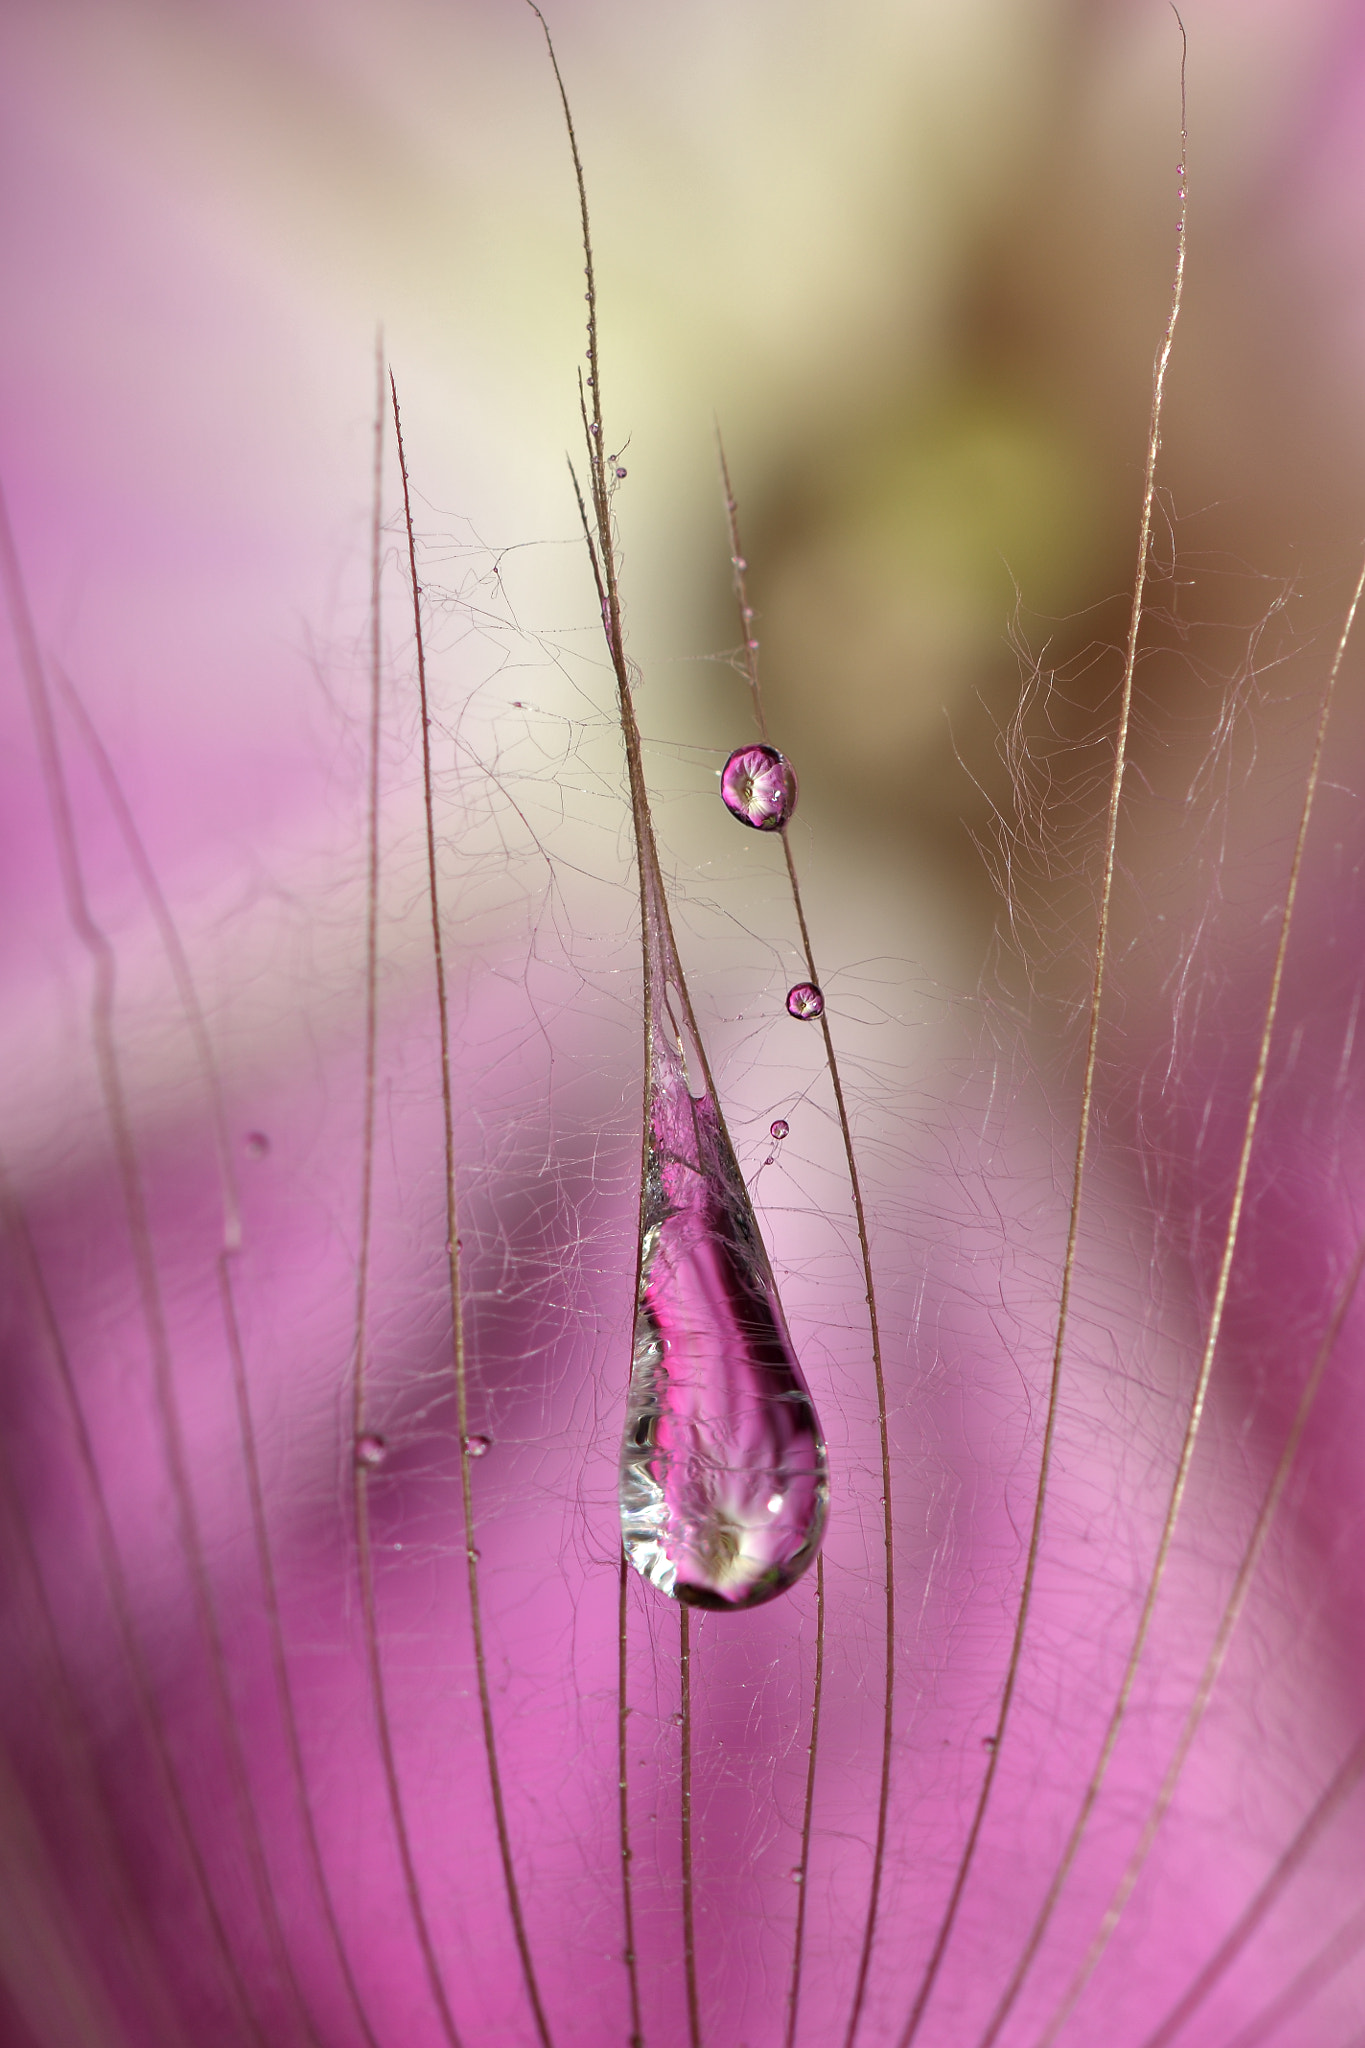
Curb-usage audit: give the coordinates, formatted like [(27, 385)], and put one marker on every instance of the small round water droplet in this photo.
[(478, 1446), (517, 704), (619, 472), (779, 1129), (370, 1450), (758, 786), (676, 1719), (752, 646), (594, 429), (738, 562), (257, 1145), (988, 1742), (797, 1876), (805, 1000)]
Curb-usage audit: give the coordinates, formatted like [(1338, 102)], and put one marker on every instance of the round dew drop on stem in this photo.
[(779, 1129), (478, 1446), (758, 786), (370, 1451), (805, 1001)]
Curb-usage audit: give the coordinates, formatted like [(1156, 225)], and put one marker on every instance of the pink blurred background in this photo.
[(916, 261)]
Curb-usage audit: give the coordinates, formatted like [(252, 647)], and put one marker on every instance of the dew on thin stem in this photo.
[(805, 1001)]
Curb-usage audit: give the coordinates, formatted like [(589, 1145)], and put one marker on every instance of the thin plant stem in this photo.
[(231, 1244), (689, 1934), (96, 944), (813, 1750), (1163, 357), (458, 1348), (661, 962), (1317, 1972), (1325, 1810), (1208, 1678), (1198, 1400), (360, 1354), (739, 564), (61, 1706), (637, 2032)]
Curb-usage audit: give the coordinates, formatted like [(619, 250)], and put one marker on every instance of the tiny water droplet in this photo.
[(478, 1446), (619, 472), (738, 562), (724, 1481), (797, 1876), (370, 1450), (779, 1129), (758, 786), (752, 646), (988, 1742), (676, 1719), (517, 704), (473, 1554), (594, 429), (257, 1145), (805, 1000)]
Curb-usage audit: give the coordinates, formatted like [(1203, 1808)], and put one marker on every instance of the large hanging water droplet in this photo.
[(805, 1001), (758, 786), (724, 1483)]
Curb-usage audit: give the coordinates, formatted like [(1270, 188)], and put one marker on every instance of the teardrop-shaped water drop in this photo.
[(758, 786), (724, 1483)]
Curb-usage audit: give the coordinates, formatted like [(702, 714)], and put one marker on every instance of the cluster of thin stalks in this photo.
[(66, 2009)]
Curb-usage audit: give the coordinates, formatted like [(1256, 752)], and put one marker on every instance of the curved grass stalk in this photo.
[(739, 563), (360, 1350), (1198, 1399), (61, 1700), (231, 1243), (95, 942), (946, 1925), (1329, 1804), (1227, 1627), (1336, 1952), (458, 1351)]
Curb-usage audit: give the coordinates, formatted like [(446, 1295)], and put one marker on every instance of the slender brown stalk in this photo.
[(799, 1937), (360, 1357), (1208, 1678), (231, 1243), (1335, 1953), (1329, 1803), (689, 1935), (637, 2032), (103, 1839), (1135, 617), (661, 963), (1179, 1483), (458, 1353), (96, 944), (739, 563)]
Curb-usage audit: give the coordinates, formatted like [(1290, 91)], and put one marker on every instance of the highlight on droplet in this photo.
[(805, 1000), (758, 786), (779, 1128), (370, 1451), (724, 1478)]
